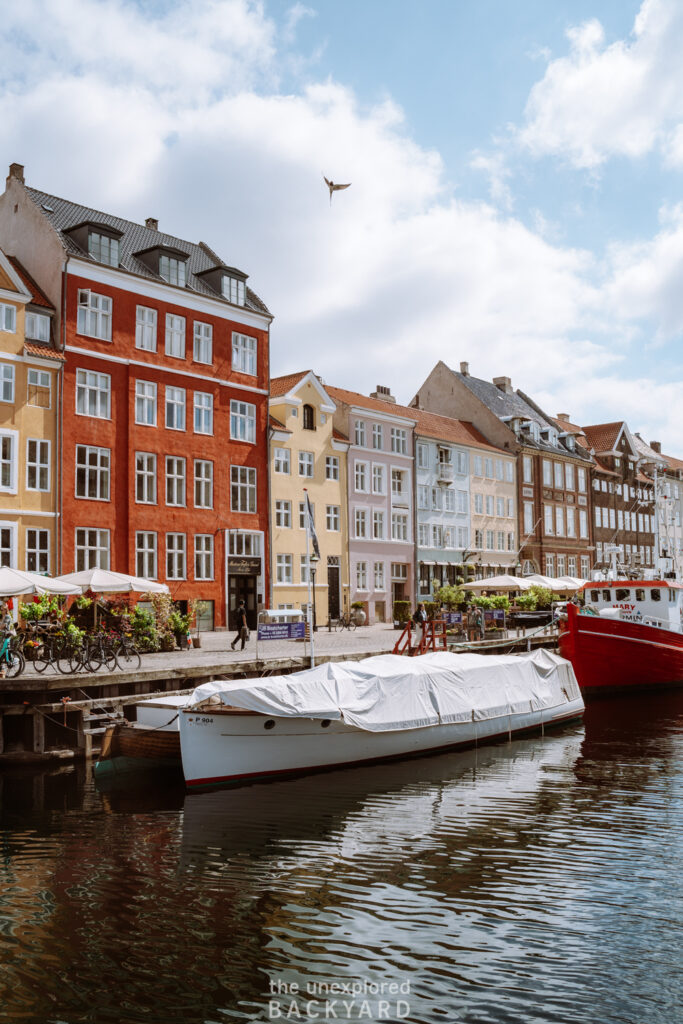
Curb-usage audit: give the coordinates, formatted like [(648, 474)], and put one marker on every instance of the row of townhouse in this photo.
[(134, 405)]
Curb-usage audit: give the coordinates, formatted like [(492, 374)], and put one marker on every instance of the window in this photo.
[(242, 421), (146, 554), (550, 566), (547, 473), (422, 496), (360, 523), (304, 569), (175, 408), (598, 516), (559, 520), (233, 290), (571, 528), (399, 571), (479, 504), (242, 542), (283, 570), (378, 437), (511, 542), (378, 477), (359, 433), (569, 477), (176, 556), (306, 464), (308, 417), (509, 472), (175, 480), (500, 541), (244, 354), (571, 563), (399, 441), (203, 483), (333, 518), (478, 465), (361, 575), (93, 394), (449, 499), (242, 489), (103, 248), (527, 470), (436, 499), (146, 478), (92, 549), (37, 550), (8, 461), (583, 523), (399, 526), (94, 315), (378, 569), (548, 519), (283, 514), (559, 475), (303, 516), (37, 465), (38, 388), (203, 342), (423, 456), (500, 507), (378, 525), (281, 460), (203, 412), (511, 507), (146, 403), (146, 328), (92, 472), (585, 567), (172, 270), (528, 517), (331, 467), (37, 327), (462, 463), (6, 383), (175, 336), (499, 469), (437, 535), (203, 556), (488, 467), (462, 501), (489, 504), (8, 318), (397, 485), (423, 535), (489, 540)]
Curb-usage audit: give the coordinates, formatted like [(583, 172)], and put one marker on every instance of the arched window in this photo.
[(309, 418)]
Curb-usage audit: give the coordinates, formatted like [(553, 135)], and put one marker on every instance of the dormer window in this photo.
[(37, 327), (570, 442), (309, 417), (233, 290), (103, 248), (172, 270)]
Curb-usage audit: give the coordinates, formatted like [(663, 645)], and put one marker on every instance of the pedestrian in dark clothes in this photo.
[(242, 628)]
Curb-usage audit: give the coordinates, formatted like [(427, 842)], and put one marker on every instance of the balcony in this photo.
[(444, 473)]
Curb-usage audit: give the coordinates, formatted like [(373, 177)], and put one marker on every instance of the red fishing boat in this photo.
[(627, 636)]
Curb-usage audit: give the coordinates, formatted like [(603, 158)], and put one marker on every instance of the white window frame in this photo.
[(6, 382), (96, 466), (242, 421), (40, 382), (9, 462), (145, 402), (146, 554), (243, 489), (40, 552), (176, 408), (175, 481), (96, 386), (91, 541), (282, 461), (172, 269), (202, 346), (37, 327), (333, 518), (306, 464), (40, 465), (378, 437), (146, 478), (174, 336), (176, 556), (203, 556), (331, 467), (244, 354), (203, 483), (284, 569), (8, 318), (146, 328), (283, 514), (399, 440), (94, 317)]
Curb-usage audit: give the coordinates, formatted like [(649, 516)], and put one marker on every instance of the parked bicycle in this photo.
[(12, 662), (347, 621), (54, 650), (127, 655), (93, 653)]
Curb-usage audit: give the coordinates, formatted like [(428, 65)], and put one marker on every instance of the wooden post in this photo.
[(38, 733)]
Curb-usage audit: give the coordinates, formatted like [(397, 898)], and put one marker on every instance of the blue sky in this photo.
[(516, 169)]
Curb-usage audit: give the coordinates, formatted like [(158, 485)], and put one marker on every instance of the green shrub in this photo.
[(483, 602), (544, 597), (527, 601), (432, 609), (501, 601), (143, 627), (401, 611), (449, 596)]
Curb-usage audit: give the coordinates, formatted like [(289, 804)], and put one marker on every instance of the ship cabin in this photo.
[(649, 602)]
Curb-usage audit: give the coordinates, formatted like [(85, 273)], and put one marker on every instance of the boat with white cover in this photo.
[(384, 707)]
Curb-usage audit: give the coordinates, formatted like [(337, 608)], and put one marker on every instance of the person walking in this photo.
[(242, 628)]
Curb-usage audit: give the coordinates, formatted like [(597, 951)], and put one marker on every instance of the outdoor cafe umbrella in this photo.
[(503, 582), (14, 582), (104, 581), (537, 580), (570, 582)]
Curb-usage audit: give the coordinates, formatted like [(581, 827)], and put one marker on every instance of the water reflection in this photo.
[(528, 881)]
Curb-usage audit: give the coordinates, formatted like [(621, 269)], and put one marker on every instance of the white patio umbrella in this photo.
[(537, 580), (14, 582), (503, 582), (104, 581), (571, 582)]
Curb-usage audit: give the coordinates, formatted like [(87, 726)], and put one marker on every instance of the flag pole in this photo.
[(308, 574)]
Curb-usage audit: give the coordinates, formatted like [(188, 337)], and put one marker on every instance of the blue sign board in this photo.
[(452, 617), (281, 630)]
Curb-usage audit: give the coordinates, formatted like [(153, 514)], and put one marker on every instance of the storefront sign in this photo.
[(281, 630), (244, 566)]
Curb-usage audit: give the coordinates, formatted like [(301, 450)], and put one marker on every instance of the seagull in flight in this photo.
[(334, 187)]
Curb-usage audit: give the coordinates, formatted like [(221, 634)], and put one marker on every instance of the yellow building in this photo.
[(30, 382), (307, 455)]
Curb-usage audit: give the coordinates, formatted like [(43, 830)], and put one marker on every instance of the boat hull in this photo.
[(128, 748), (612, 655), (227, 749)]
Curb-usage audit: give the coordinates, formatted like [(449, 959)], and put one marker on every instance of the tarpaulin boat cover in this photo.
[(390, 691)]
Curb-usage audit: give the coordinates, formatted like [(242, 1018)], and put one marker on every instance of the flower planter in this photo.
[(183, 641), (196, 641)]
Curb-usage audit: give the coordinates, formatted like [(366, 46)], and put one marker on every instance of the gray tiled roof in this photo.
[(64, 215), (519, 406)]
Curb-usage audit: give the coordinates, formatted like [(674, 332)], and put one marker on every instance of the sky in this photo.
[(516, 196)]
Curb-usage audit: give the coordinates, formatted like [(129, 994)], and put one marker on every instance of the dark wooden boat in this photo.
[(128, 747)]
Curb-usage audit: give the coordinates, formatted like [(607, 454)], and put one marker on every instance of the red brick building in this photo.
[(165, 401)]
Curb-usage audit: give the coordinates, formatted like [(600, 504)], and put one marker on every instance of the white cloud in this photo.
[(622, 99), (179, 115)]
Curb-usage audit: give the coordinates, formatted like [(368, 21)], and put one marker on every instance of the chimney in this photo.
[(383, 394), (563, 416), (465, 369), (16, 171), (656, 447), (503, 384), (152, 223)]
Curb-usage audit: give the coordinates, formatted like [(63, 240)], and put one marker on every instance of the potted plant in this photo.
[(358, 613), (401, 613), (179, 625)]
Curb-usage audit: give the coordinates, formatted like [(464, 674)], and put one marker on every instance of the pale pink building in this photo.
[(380, 497)]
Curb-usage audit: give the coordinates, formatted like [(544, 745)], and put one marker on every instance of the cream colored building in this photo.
[(493, 497), (307, 455), (30, 383)]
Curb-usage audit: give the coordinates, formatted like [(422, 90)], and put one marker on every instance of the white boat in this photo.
[(345, 713)]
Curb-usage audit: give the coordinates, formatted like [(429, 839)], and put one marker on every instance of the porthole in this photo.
[(325, 722), (270, 724)]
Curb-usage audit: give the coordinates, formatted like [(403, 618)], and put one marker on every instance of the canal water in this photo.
[(533, 881)]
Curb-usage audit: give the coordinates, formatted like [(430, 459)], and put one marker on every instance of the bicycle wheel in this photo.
[(42, 658), (75, 660), (15, 664), (128, 658), (109, 656)]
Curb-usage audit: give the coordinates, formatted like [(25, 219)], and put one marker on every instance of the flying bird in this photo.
[(334, 187)]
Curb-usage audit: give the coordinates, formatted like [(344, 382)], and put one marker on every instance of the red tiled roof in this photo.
[(603, 436), (445, 428), (34, 348), (276, 424), (602, 468), (338, 436), (365, 402), (283, 385), (37, 296), (672, 462)]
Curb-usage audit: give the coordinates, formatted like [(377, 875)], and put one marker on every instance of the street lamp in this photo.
[(313, 561)]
